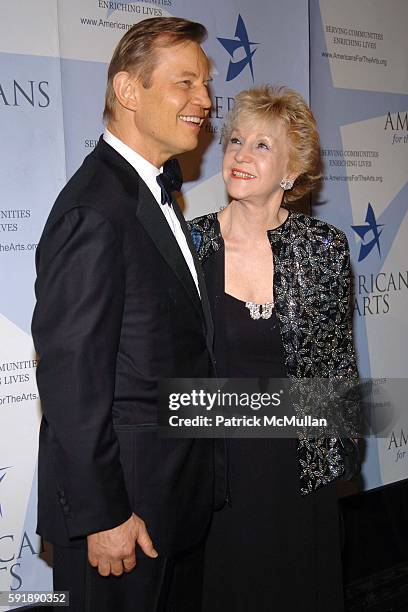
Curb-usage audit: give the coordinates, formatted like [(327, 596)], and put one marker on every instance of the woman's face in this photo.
[(256, 160)]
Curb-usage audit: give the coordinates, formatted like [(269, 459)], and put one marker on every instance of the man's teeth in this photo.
[(191, 119), (242, 174)]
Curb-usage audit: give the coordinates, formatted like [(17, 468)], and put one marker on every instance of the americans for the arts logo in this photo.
[(241, 41), (369, 234)]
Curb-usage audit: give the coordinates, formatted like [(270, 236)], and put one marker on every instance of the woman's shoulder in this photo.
[(322, 232), (204, 223), (205, 233)]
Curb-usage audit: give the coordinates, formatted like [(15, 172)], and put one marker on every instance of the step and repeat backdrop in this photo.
[(359, 94), (53, 61)]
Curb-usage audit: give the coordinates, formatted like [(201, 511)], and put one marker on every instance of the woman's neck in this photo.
[(250, 222)]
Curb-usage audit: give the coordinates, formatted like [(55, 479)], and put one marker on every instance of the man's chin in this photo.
[(191, 145)]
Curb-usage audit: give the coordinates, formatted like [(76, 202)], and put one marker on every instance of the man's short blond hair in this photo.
[(136, 50), (268, 103)]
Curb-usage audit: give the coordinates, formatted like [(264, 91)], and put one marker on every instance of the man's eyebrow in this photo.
[(193, 75), (188, 73)]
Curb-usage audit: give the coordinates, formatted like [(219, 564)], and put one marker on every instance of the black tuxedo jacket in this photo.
[(116, 310)]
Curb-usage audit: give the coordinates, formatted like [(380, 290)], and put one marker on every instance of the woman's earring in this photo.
[(286, 184)]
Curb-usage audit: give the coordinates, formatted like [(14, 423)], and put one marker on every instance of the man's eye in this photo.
[(186, 83)]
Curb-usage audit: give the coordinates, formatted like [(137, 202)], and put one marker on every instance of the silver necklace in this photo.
[(258, 311)]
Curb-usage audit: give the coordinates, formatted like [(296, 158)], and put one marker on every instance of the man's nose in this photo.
[(202, 98)]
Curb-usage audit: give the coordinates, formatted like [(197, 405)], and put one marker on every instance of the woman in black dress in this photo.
[(279, 288)]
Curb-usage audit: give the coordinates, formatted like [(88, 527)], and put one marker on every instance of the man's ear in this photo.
[(126, 87)]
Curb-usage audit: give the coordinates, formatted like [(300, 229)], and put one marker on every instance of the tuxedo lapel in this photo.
[(152, 219), (200, 276)]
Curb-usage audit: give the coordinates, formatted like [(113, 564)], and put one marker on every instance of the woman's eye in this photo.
[(234, 140), (186, 83), (263, 145)]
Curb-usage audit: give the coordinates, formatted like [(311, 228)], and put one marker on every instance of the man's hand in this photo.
[(113, 551)]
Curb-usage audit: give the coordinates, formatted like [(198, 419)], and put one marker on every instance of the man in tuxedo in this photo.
[(120, 304)]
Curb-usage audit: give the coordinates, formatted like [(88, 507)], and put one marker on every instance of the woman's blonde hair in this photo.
[(268, 103)]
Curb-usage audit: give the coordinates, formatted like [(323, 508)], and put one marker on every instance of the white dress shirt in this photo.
[(148, 173)]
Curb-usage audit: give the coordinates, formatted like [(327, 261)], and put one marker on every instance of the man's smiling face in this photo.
[(171, 111)]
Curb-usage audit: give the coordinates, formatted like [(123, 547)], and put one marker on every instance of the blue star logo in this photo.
[(372, 226), (241, 40), (112, 10), (3, 472)]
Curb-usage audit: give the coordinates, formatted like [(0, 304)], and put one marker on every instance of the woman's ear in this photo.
[(293, 173)]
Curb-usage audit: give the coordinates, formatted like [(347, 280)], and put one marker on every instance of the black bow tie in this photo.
[(169, 180)]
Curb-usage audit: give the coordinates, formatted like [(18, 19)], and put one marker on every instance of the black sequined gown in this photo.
[(271, 549)]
